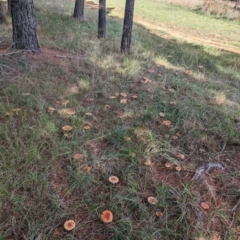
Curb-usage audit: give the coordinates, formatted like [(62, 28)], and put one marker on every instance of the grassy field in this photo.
[(164, 119)]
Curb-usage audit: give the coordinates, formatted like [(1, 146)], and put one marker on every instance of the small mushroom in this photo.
[(65, 102), (51, 109), (113, 179), (69, 225), (181, 156), (87, 168), (70, 111), (86, 127), (127, 139), (107, 216), (67, 128), (123, 101), (148, 162), (107, 107), (168, 165), (9, 114), (123, 94), (171, 90), (189, 72), (77, 156), (16, 110), (152, 200), (166, 122), (204, 206), (146, 80), (161, 114), (134, 96), (178, 168), (158, 213)]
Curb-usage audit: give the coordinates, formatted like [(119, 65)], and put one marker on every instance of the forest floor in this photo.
[(164, 119)]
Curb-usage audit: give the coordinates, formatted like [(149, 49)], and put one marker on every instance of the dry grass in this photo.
[(216, 7), (186, 3)]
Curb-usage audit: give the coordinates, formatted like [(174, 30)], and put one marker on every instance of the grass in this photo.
[(162, 19), (195, 85)]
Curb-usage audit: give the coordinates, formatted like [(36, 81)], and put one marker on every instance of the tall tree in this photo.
[(23, 25), (2, 15), (102, 19), (127, 26), (9, 5), (79, 9)]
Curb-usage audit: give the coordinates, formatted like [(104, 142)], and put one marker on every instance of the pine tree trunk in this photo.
[(127, 26), (9, 5), (2, 15), (79, 9), (23, 25), (102, 19)]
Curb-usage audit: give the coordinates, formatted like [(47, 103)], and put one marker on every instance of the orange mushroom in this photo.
[(113, 179), (67, 128), (107, 107), (77, 156), (204, 206), (134, 96), (161, 114), (16, 110), (69, 225), (158, 213), (178, 168), (70, 111), (152, 200), (123, 94), (65, 102), (51, 109), (107, 216), (148, 162), (9, 114), (123, 101), (168, 165), (181, 156)]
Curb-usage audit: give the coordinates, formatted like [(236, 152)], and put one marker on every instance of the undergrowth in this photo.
[(168, 102)]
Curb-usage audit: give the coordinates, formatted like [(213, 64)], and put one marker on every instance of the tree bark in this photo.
[(127, 26), (23, 25), (2, 15), (79, 9), (9, 6), (102, 19)]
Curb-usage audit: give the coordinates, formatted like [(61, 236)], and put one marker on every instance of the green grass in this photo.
[(181, 23), (195, 85)]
